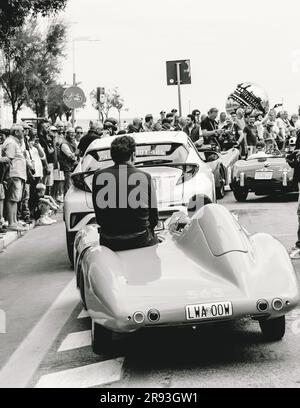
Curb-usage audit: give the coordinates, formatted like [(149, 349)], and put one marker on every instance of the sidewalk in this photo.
[(11, 236)]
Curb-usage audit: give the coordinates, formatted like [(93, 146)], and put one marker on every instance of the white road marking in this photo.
[(84, 377), (22, 365), (76, 340), (83, 314)]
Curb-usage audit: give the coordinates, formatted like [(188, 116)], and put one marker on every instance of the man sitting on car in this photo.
[(124, 200)]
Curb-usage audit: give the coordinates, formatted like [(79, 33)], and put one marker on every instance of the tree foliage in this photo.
[(113, 99), (56, 106), (13, 13), (30, 64)]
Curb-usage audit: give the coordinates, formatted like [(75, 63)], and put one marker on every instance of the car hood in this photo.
[(250, 166)]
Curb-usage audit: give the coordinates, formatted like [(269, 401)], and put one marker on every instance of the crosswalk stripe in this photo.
[(76, 340), (83, 314), (83, 377)]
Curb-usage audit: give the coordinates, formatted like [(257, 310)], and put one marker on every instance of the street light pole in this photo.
[(74, 70)]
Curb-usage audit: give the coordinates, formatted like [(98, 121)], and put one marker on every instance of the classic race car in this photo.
[(262, 174), (170, 157), (206, 269), (221, 164)]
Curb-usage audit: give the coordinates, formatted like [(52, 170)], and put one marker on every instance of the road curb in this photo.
[(11, 236)]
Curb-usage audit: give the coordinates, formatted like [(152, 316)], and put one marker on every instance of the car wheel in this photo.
[(220, 191), (240, 195), (102, 339), (273, 329), (70, 246)]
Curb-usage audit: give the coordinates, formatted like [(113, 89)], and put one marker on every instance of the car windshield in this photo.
[(262, 155), (146, 154)]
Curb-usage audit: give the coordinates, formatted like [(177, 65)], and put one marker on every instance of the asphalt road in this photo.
[(47, 343)]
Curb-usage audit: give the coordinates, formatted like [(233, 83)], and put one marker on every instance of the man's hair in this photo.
[(40, 186), (196, 112), (15, 128), (148, 118), (170, 116), (78, 127), (166, 121), (122, 148), (192, 117), (212, 110)]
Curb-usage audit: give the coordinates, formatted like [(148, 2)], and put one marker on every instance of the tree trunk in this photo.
[(14, 114)]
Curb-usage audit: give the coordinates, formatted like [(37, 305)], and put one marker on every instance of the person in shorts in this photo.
[(13, 150)]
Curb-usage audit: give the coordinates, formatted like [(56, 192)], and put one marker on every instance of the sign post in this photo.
[(74, 98), (179, 73)]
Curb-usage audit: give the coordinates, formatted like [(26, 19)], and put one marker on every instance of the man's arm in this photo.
[(153, 211)]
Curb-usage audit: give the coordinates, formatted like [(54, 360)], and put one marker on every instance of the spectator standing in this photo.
[(149, 123), (197, 115), (295, 252), (89, 138), (193, 130), (162, 116), (4, 169), (136, 126), (240, 118), (13, 150), (250, 132), (68, 157), (210, 126), (222, 120), (78, 133)]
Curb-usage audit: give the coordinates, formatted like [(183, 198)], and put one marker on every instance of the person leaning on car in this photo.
[(124, 226)]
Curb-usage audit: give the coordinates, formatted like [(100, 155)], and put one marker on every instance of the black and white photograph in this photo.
[(149, 198)]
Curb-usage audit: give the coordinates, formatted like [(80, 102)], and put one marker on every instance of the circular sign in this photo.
[(250, 97), (74, 97)]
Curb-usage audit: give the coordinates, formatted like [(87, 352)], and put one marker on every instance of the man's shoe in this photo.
[(16, 228), (50, 219), (43, 222), (295, 254)]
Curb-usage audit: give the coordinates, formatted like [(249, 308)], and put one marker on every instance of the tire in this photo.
[(70, 237), (220, 191), (274, 329), (102, 339), (240, 195)]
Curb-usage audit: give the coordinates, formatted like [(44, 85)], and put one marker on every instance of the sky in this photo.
[(228, 42)]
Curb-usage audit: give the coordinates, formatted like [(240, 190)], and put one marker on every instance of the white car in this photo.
[(170, 157)]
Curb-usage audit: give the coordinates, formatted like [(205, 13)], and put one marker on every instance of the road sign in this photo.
[(74, 97), (185, 72), (100, 95)]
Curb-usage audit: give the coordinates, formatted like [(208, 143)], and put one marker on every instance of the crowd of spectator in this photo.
[(36, 164)]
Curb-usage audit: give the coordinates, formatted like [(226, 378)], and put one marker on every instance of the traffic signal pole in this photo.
[(179, 88)]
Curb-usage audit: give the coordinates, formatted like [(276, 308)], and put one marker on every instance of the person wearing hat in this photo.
[(110, 127), (149, 122), (68, 157)]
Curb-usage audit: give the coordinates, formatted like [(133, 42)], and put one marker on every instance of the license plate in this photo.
[(264, 175), (209, 311)]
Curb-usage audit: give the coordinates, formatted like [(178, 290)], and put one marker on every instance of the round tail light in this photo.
[(262, 305), (153, 315), (277, 305), (139, 317)]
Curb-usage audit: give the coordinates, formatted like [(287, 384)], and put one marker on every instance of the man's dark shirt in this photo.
[(251, 135), (87, 140), (122, 221), (209, 125), (193, 133)]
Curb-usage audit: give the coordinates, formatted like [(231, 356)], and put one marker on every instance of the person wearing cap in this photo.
[(42, 205), (149, 122), (13, 149), (68, 157), (110, 127)]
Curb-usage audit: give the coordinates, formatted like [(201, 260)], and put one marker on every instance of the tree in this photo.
[(113, 99), (13, 14), (30, 65), (56, 106)]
